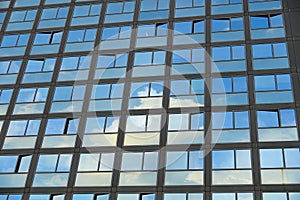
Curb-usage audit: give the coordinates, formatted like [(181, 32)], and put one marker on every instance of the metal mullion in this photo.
[(99, 161), (146, 122), (207, 160), (57, 162), (283, 158)]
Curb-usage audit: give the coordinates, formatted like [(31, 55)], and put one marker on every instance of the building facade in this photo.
[(149, 100)]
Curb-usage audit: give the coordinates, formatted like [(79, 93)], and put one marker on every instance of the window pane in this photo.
[(64, 163), (176, 160), (287, 118), (267, 119), (132, 161), (259, 22), (262, 50), (220, 25), (223, 159), (196, 160), (263, 83), (271, 158), (243, 159), (292, 157), (47, 163)]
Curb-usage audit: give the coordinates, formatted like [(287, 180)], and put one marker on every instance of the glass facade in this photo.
[(149, 100)]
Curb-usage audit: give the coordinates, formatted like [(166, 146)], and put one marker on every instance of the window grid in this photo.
[(286, 144)]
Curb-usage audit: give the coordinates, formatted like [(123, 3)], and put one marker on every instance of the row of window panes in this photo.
[(148, 161), (237, 120)]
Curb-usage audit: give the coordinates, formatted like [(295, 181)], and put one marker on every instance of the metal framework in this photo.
[(291, 10)]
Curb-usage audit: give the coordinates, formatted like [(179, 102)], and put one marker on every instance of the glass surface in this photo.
[(223, 159), (292, 157), (271, 158), (177, 160), (132, 161)]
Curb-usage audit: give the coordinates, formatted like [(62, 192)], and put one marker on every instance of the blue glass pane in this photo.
[(197, 121), (276, 20), (73, 126), (17, 16), (280, 49), (147, 5), (82, 197), (181, 56), (241, 119), (284, 82), (159, 57), (9, 40), (220, 53), (267, 119), (271, 158), (62, 12), (101, 91), (143, 58), (64, 163), (117, 91), (69, 63), (105, 61), (113, 8), (196, 160), (237, 24), (76, 36), (80, 11), (287, 117), (180, 87), (23, 39), (197, 86), (8, 163), (33, 127), (121, 60), (223, 159), (222, 120), (26, 95), (292, 157), (103, 197), (42, 38), (128, 7), (163, 4), (5, 96), (90, 35), (55, 126), (184, 3), (176, 160), (264, 83), (95, 125), (199, 27), (17, 128), (95, 9), (78, 92), (146, 30), (259, 22), (63, 93), (140, 89), (238, 52), (110, 33), (240, 84), (262, 50), (221, 85), (220, 25), (47, 163)]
